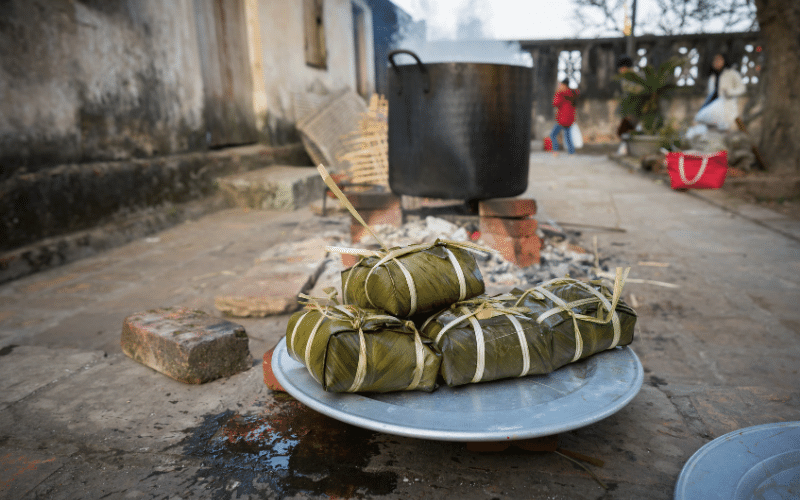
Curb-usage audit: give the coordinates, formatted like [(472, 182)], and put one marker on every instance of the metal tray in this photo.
[(756, 462), (574, 396)]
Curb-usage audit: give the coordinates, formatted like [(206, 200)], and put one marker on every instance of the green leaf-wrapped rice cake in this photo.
[(482, 339), (409, 280), (529, 332), (348, 349), (582, 318), (414, 279)]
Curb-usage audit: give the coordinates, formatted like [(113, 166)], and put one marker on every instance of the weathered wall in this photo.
[(96, 80), (224, 50), (99, 97), (56, 215), (283, 59), (592, 62)]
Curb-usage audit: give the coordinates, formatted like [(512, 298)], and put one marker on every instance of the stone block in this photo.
[(522, 250), (507, 207), (370, 200), (278, 187), (508, 227), (330, 277), (272, 285), (390, 214), (190, 346), (305, 255), (261, 295)]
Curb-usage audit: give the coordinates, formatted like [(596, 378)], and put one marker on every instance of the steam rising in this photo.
[(469, 46), (465, 51)]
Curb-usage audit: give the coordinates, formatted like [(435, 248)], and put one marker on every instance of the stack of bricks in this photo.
[(508, 226), (375, 208)]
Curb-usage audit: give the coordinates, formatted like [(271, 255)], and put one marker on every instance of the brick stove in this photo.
[(508, 226)]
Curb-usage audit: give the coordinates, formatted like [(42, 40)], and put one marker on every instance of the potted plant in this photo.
[(644, 102)]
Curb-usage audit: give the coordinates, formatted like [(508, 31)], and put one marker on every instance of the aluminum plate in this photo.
[(574, 396), (756, 462)]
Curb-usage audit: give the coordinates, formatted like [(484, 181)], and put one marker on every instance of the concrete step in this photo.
[(67, 198), (277, 187), (57, 215)]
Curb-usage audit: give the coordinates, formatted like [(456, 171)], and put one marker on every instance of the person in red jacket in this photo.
[(564, 102)]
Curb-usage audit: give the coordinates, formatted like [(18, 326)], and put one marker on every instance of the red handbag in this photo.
[(703, 171), (548, 144)]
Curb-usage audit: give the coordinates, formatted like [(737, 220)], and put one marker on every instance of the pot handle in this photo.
[(422, 68)]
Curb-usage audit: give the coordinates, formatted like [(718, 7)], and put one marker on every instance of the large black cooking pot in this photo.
[(459, 130)]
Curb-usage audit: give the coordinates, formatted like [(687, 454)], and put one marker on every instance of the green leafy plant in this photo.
[(652, 86), (671, 137)]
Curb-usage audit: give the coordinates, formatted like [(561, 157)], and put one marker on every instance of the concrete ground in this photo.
[(78, 419)]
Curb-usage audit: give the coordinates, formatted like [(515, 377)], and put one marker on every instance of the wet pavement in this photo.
[(721, 352)]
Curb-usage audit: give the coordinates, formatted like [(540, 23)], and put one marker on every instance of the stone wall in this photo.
[(223, 47), (109, 107), (94, 80), (591, 66)]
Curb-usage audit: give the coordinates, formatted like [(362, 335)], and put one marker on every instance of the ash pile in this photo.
[(560, 255)]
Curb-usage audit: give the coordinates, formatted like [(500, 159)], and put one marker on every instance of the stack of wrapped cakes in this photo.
[(412, 317)]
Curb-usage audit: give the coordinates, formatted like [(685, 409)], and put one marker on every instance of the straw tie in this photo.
[(541, 291), (360, 320), (486, 308), (386, 255)]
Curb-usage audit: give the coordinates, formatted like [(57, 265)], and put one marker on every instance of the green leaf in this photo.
[(655, 85)]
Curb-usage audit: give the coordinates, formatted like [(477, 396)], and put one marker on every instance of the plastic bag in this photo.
[(576, 136)]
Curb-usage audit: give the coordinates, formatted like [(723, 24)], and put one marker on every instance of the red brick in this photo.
[(522, 251), (190, 346), (269, 375), (373, 201), (508, 227), (391, 215), (507, 207), (349, 260)]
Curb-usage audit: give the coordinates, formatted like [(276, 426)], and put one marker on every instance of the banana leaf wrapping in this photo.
[(348, 349), (529, 332), (414, 279), (582, 318), (483, 339)]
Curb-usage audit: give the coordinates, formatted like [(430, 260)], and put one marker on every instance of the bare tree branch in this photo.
[(671, 17), (606, 12)]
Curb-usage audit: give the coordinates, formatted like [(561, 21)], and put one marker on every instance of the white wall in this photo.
[(283, 63)]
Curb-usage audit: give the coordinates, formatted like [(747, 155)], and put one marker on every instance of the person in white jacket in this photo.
[(725, 85)]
